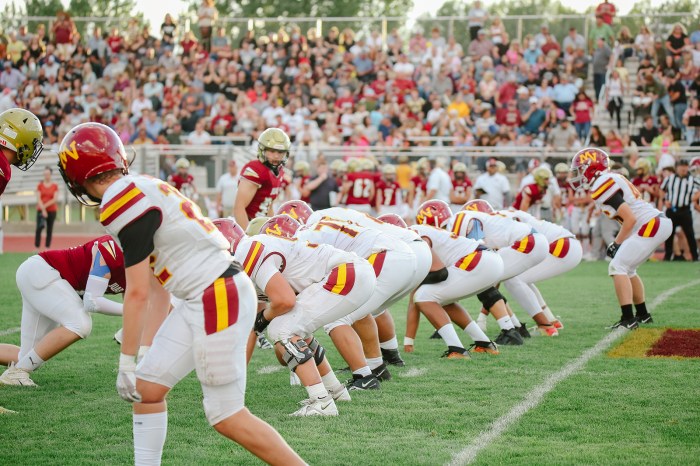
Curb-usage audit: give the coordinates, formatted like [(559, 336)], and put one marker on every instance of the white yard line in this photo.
[(535, 396), (9, 331), (414, 372), (270, 369)]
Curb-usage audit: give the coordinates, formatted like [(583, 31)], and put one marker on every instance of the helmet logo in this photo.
[(472, 207), (293, 213), (275, 230), (588, 156), (73, 153)]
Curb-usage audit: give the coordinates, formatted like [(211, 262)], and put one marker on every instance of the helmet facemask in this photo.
[(25, 160)]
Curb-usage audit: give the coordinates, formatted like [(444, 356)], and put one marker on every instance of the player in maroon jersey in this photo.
[(302, 175), (358, 187), (533, 193), (461, 187), (20, 142), (646, 182), (388, 198), (261, 179), (182, 179), (60, 289), (419, 185)]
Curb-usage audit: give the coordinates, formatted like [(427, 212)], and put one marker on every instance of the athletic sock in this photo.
[(627, 312), (515, 320), (390, 344), (317, 391), (449, 335), (30, 362), (641, 309), (505, 323), (330, 381), (150, 431), (373, 363), (475, 332), (363, 371)]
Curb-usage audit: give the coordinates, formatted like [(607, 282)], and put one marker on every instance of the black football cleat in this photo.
[(358, 382), (435, 336), (392, 357), (509, 337), (629, 324), (645, 319), (523, 331), (382, 373)]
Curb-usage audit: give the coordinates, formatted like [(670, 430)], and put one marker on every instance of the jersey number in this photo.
[(189, 208), (361, 188)]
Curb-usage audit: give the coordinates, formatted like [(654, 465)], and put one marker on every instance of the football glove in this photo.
[(126, 379), (261, 322), (612, 249)]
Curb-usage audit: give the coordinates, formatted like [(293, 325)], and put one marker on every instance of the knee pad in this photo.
[(296, 353), (318, 351), (489, 297), (81, 326)]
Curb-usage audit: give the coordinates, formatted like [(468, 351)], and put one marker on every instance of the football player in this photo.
[(60, 289), (418, 187), (261, 179), (437, 213), (308, 286), (533, 193), (519, 245), (423, 259), (389, 197), (565, 253), (170, 248), (183, 180), (461, 187), (302, 174), (338, 170), (646, 182), (357, 190), (20, 142), (643, 228)]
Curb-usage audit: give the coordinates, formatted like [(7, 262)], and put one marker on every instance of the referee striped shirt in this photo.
[(679, 191)]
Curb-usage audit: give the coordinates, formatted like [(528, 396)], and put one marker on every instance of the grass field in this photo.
[(611, 411)]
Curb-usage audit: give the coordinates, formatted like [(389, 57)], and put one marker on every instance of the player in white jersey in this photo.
[(170, 248), (308, 285), (423, 258), (392, 260), (437, 214), (643, 229), (565, 253), (518, 244)]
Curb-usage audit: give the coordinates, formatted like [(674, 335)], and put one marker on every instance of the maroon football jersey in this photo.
[(361, 190), (535, 192), (269, 187), (390, 192)]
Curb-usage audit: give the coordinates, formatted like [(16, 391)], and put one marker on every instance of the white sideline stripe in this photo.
[(414, 372), (535, 396), (9, 331), (270, 369)]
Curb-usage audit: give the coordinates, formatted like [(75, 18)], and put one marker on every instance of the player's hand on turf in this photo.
[(408, 348), (126, 379), (612, 249)]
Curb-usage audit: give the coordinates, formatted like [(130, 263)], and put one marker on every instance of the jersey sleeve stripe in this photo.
[(114, 208), (469, 262), (459, 219), (253, 257), (599, 192), (377, 261)]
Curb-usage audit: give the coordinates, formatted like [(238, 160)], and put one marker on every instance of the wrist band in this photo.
[(407, 341)]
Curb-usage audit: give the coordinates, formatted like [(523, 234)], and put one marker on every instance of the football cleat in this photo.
[(382, 373), (358, 382), (16, 377), (340, 393), (646, 319), (263, 342), (523, 331), (294, 379), (509, 337), (487, 347), (548, 330), (6, 411), (629, 324), (392, 357), (435, 336), (451, 354), (321, 407), (118, 336), (557, 324)]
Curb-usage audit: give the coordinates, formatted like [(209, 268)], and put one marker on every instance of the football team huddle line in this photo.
[(187, 306)]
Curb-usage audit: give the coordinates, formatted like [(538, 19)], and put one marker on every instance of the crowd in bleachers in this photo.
[(342, 88)]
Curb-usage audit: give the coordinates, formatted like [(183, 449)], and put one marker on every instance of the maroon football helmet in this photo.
[(298, 210), (587, 165), (393, 219), (478, 205), (282, 226), (433, 212), (231, 230)]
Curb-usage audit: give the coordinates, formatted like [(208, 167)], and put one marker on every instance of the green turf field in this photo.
[(611, 411)]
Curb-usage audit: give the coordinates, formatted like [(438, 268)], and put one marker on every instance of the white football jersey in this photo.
[(449, 247), (364, 220), (550, 230), (301, 263), (499, 231), (189, 251), (343, 235), (608, 184)]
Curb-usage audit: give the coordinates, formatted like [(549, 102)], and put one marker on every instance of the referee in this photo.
[(678, 192)]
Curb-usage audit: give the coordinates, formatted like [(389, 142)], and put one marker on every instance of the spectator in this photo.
[(600, 30), (11, 78), (481, 46), (677, 41), (207, 14), (657, 90), (168, 30), (597, 138), (563, 136), (220, 45), (601, 60), (573, 40), (691, 120), (606, 11), (199, 137), (46, 208), (226, 188), (477, 17), (492, 186), (582, 111), (439, 182), (644, 42), (142, 137), (679, 100), (564, 93), (322, 188), (64, 32), (614, 93)]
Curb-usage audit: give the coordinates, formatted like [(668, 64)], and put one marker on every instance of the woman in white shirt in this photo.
[(644, 42), (614, 91)]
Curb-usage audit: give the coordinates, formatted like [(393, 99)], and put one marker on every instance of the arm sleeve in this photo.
[(137, 238), (615, 201)]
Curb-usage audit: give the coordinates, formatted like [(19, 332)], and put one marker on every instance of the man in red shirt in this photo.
[(20, 142), (606, 11), (261, 179), (509, 115), (46, 207), (358, 187), (533, 193), (54, 314)]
